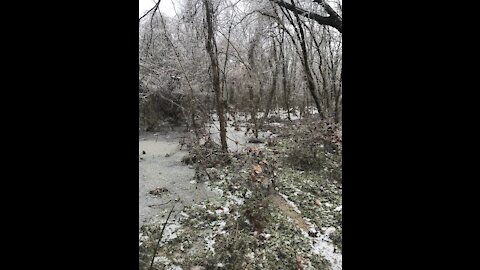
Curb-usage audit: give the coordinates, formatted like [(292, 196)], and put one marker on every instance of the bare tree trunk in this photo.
[(306, 67), (224, 81), (211, 49), (274, 80), (324, 94), (292, 85), (337, 102), (254, 102), (304, 58), (253, 111), (286, 91)]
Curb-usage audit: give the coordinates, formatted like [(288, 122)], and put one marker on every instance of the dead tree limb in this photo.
[(160, 237), (334, 20)]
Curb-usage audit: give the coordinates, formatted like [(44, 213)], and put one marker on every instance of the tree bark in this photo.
[(286, 91), (253, 111), (274, 62), (210, 46)]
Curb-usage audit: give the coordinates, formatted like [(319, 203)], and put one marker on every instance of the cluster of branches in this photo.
[(236, 56)]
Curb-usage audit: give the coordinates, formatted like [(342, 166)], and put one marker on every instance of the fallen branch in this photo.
[(160, 237)]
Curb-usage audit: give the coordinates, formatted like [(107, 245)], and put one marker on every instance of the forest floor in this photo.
[(276, 204)]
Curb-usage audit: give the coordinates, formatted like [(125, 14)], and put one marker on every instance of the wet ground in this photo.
[(160, 170)]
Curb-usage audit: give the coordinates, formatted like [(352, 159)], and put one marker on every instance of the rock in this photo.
[(158, 191), (189, 159), (329, 231), (313, 233)]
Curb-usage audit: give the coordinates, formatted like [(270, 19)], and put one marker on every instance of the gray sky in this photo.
[(166, 7)]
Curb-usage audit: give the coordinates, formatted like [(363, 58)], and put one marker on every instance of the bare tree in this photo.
[(211, 49), (274, 66), (259, 56)]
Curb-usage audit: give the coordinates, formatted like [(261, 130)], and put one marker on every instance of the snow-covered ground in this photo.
[(321, 245)]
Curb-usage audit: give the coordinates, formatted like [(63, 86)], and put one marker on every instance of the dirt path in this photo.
[(160, 167), (286, 209)]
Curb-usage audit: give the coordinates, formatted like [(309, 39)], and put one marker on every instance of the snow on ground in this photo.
[(237, 138), (292, 204), (218, 229), (321, 245), (174, 267)]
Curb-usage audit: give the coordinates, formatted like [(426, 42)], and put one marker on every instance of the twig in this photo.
[(160, 204), (160, 237)]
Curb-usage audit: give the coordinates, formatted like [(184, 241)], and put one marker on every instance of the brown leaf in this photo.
[(263, 162), (299, 259), (257, 169)]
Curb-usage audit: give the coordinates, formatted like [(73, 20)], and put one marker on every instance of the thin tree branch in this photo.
[(160, 237), (154, 7)]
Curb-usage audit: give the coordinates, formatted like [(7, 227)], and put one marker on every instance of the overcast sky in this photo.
[(166, 7)]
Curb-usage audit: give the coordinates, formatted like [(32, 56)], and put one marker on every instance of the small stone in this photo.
[(329, 231)]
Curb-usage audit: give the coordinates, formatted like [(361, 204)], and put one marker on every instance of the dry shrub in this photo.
[(314, 146)]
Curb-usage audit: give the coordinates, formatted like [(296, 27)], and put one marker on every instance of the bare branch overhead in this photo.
[(334, 20), (153, 8)]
